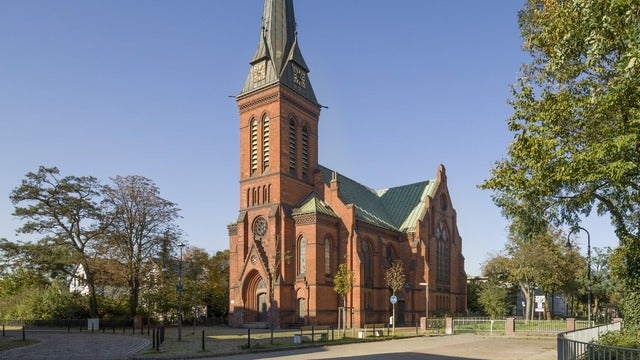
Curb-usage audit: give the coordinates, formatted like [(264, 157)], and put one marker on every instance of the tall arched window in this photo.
[(265, 143), (367, 263), (305, 152), (442, 253), (327, 255), (292, 147), (254, 146), (302, 256)]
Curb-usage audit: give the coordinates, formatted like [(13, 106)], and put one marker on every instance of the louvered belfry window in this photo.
[(292, 147), (265, 143), (254, 146), (305, 152)]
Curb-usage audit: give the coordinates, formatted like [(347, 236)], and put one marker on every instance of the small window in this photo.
[(327, 256), (302, 256)]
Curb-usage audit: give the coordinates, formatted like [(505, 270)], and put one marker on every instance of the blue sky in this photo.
[(120, 87)]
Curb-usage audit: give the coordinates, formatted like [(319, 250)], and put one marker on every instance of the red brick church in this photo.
[(299, 220)]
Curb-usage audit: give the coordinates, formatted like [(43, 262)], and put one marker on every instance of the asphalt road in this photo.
[(431, 348)]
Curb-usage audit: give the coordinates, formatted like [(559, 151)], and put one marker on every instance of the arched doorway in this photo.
[(255, 298)]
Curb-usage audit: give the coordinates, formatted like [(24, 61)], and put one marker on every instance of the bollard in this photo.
[(249, 338), (92, 327), (153, 340), (2, 330), (114, 329), (68, 326), (271, 335), (332, 334), (23, 335), (80, 327), (202, 340)]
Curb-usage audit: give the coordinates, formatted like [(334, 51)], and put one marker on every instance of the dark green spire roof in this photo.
[(278, 54)]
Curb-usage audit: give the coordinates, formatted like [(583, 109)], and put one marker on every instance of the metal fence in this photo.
[(482, 326), (578, 345), (541, 326)]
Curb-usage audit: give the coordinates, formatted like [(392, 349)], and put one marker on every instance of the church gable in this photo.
[(398, 208)]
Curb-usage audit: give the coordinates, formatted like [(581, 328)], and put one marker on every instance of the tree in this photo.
[(576, 121), (66, 211), (217, 280), (395, 279), (141, 221), (493, 299), (342, 285), (540, 263)]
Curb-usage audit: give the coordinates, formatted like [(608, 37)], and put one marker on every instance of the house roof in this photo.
[(397, 208)]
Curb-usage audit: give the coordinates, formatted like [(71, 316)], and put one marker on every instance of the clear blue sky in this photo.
[(121, 87)]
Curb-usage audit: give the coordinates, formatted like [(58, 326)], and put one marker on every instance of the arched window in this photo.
[(368, 263), (389, 256), (327, 255), (292, 147), (302, 256), (442, 253), (265, 143), (302, 310), (254, 146), (305, 152)]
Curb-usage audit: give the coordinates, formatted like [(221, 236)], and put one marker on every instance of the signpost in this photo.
[(393, 299)]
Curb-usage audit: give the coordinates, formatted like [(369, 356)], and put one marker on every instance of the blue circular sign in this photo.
[(393, 299)]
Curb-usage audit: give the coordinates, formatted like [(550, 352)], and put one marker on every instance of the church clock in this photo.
[(299, 76)]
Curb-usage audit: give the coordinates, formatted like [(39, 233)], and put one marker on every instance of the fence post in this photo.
[(202, 340), (510, 327), (153, 340), (248, 338), (23, 335), (312, 333), (2, 330), (332, 333), (272, 335)]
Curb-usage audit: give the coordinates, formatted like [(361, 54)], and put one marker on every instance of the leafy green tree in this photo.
[(140, 220), (473, 294), (576, 121), (217, 284), (540, 263), (395, 278), (66, 212), (342, 284), (493, 299)]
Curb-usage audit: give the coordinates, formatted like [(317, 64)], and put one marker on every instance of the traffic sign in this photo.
[(393, 299)]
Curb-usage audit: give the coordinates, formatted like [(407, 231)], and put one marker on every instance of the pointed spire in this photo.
[(278, 57)]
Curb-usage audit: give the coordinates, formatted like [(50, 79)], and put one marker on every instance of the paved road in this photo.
[(83, 346), (78, 346), (456, 347)]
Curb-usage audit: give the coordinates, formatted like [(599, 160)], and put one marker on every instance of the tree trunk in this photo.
[(93, 299)]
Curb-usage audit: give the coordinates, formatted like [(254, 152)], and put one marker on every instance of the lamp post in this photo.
[(574, 229), (426, 310), (180, 245)]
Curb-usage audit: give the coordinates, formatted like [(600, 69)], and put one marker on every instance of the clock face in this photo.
[(299, 77), (260, 226), (259, 71)]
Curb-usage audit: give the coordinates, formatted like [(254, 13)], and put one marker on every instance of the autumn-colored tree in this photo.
[(342, 284), (395, 278)]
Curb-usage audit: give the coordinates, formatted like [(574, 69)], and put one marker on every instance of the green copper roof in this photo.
[(398, 208), (312, 205), (278, 53)]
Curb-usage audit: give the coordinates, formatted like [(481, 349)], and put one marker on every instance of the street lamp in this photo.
[(574, 229), (180, 245)]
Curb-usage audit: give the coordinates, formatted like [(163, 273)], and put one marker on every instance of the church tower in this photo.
[(279, 117)]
